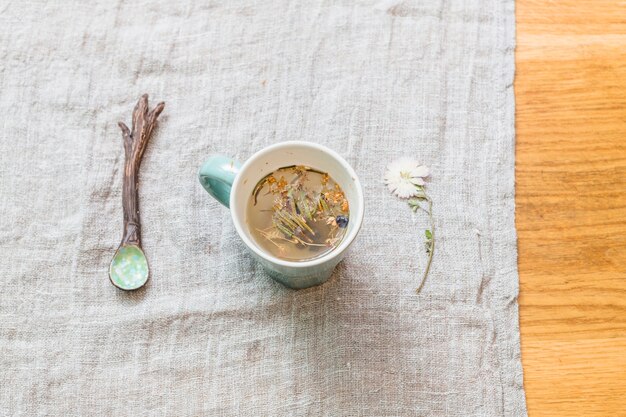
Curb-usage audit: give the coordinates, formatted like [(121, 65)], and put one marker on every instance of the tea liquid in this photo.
[(297, 213)]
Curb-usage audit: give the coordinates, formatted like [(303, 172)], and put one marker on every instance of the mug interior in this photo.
[(295, 153)]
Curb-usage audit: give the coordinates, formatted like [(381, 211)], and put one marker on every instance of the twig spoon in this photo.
[(129, 266)]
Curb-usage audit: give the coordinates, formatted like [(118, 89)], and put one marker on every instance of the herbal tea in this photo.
[(297, 213)]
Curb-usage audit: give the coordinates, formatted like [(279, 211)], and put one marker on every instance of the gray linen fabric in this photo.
[(211, 334)]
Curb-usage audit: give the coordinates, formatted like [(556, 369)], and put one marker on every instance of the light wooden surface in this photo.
[(571, 205)]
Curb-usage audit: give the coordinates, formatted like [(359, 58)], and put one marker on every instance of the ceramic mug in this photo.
[(232, 183)]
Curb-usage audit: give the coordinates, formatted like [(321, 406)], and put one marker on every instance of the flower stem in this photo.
[(431, 247)]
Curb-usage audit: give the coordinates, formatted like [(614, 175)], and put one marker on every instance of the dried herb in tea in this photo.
[(298, 213)]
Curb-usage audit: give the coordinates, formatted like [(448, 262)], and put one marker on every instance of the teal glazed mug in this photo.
[(232, 183)]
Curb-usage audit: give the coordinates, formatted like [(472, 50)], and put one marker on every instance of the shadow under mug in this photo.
[(232, 184)]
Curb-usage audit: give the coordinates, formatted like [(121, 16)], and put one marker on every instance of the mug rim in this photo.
[(347, 240)]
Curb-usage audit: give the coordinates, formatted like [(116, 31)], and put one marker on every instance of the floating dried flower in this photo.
[(304, 204), (403, 175), (405, 178), (281, 184)]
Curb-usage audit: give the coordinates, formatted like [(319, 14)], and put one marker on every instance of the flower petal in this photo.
[(417, 181), (420, 171), (405, 190), (392, 176)]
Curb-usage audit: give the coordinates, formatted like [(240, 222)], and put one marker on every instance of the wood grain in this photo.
[(571, 205)]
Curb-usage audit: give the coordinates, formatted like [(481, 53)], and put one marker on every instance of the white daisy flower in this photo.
[(404, 175)]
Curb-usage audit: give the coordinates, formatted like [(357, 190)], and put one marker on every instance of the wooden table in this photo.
[(571, 205)]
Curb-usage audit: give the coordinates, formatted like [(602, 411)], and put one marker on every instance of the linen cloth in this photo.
[(211, 334)]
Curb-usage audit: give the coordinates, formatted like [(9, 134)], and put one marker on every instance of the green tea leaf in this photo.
[(283, 229)]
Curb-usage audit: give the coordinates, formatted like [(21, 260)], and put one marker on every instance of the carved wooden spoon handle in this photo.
[(135, 142)]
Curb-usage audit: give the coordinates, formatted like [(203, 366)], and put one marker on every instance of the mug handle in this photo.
[(217, 175)]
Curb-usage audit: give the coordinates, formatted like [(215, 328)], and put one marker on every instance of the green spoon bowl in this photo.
[(129, 268)]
